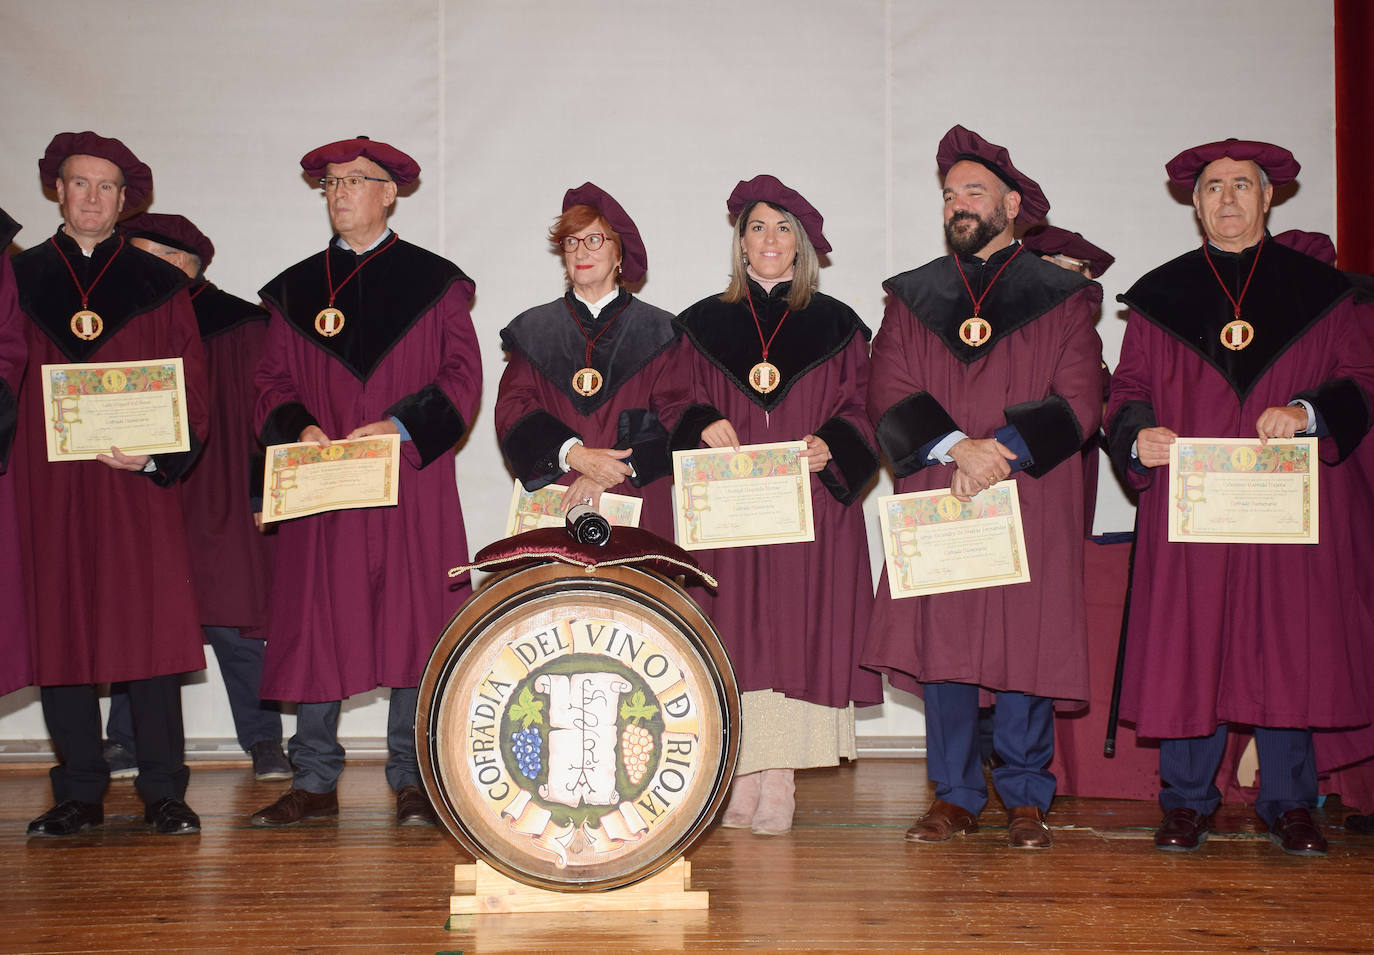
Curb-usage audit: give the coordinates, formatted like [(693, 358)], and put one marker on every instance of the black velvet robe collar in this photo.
[(399, 284), (1288, 294), (135, 283), (726, 335), (218, 312), (1027, 289), (8, 230), (632, 335)]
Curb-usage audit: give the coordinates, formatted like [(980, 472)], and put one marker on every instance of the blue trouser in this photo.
[(240, 664), (1023, 735), (1288, 771), (319, 759)]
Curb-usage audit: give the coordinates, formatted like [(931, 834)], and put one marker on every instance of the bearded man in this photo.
[(987, 368)]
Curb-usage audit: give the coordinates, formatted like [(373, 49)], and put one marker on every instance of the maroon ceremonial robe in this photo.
[(106, 568), (1265, 635), (790, 615), (1039, 372), (537, 409), (360, 596), (16, 666), (230, 558)]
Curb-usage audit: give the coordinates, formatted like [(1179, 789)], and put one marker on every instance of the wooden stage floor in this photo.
[(842, 880)]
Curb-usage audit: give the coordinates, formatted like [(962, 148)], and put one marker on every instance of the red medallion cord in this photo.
[(978, 302), (1235, 302), (329, 277), (86, 292)]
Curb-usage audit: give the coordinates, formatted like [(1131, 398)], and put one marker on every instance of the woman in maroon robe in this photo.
[(789, 614), (580, 399)]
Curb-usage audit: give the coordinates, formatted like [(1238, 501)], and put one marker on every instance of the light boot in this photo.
[(744, 799), (776, 803)]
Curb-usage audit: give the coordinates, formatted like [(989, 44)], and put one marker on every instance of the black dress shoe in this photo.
[(412, 808), (1183, 830), (171, 817), (1296, 834), (68, 818), (1361, 824)]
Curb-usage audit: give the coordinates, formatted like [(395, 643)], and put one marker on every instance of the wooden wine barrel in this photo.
[(577, 730)]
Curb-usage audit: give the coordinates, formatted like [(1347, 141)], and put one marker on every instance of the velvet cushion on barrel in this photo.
[(628, 546)]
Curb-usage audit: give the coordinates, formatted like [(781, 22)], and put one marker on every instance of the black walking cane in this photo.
[(1109, 744)]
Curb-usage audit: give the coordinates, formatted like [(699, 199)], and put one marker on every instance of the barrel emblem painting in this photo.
[(579, 730)]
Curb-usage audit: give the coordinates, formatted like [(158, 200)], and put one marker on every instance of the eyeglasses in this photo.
[(593, 241), (330, 183)]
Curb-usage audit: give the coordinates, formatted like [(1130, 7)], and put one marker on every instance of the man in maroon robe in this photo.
[(370, 336), (1243, 337), (987, 369), (231, 559), (16, 665), (106, 569)]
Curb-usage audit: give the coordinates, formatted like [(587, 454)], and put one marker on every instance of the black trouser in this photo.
[(73, 717)]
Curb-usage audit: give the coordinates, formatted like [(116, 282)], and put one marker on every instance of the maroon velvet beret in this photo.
[(1276, 161), (138, 178), (1316, 244), (1052, 240), (634, 260), (402, 168), (960, 143), (770, 190), (175, 231)]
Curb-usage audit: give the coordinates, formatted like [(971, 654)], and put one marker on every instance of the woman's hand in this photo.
[(582, 491), (605, 466)]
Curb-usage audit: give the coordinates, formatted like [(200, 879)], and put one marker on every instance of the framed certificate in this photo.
[(304, 478), (544, 508), (936, 543), (1239, 491), (758, 494), (136, 406)]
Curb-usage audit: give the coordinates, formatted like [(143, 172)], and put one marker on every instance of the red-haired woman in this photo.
[(580, 398)]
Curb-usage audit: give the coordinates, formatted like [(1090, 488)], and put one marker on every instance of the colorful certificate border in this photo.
[(1191, 459), (63, 386), (900, 515), (544, 508), (282, 459), (695, 471)]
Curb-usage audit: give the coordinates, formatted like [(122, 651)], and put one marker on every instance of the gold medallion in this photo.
[(329, 322), (1237, 335), (87, 325), (114, 381), (764, 377), (975, 331), (587, 382)]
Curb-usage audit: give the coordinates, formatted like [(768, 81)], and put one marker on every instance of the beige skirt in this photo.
[(778, 732)]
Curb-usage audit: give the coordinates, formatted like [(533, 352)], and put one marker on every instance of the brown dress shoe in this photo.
[(1026, 828), (1363, 824), (295, 805), (942, 822), (1183, 830), (412, 808), (1296, 834)]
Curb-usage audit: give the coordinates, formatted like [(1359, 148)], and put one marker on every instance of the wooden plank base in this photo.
[(842, 880), (479, 888)]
